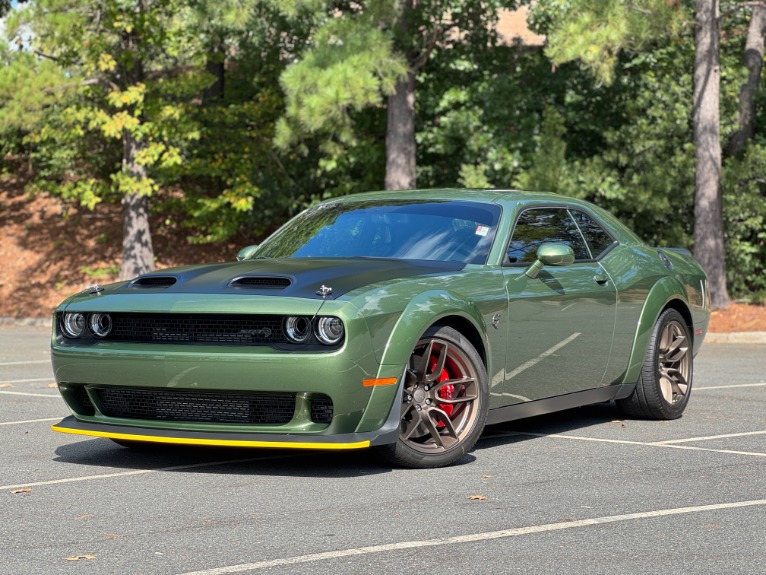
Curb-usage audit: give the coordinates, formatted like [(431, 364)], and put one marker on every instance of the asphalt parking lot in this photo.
[(578, 492)]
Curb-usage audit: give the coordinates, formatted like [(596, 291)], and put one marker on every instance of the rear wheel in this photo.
[(665, 383), (444, 402)]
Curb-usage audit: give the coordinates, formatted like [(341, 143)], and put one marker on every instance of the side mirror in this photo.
[(245, 253), (550, 254)]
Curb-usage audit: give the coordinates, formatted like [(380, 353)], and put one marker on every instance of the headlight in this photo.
[(298, 328), (329, 330), (100, 324), (73, 324)]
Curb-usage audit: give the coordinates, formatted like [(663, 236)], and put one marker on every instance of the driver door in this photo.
[(560, 324)]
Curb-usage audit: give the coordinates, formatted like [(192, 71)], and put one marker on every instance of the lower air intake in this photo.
[(165, 405)]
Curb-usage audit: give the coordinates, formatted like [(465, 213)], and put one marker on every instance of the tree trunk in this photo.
[(400, 136), (753, 61), (215, 65), (400, 129), (708, 204), (137, 250)]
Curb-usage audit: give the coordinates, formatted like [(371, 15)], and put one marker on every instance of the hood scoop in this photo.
[(153, 282), (261, 282)]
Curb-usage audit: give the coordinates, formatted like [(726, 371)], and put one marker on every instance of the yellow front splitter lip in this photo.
[(72, 426)]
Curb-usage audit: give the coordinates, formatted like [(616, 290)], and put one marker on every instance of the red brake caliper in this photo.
[(446, 392)]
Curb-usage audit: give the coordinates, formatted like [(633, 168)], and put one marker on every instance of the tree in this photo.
[(708, 200), (753, 62), (595, 32), (363, 55), (122, 87)]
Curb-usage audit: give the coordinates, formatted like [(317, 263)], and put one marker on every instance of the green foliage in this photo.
[(602, 113), (595, 32), (351, 65), (745, 216)]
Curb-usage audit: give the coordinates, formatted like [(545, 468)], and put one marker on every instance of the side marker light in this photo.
[(379, 381)]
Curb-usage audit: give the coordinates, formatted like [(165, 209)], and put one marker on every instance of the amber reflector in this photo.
[(380, 381)]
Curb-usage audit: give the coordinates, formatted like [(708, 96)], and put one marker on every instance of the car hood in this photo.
[(293, 277)]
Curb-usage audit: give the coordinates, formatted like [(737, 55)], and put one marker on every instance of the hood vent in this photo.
[(153, 282), (261, 282)]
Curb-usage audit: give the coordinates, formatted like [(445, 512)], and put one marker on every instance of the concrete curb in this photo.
[(33, 321), (754, 337), (739, 337)]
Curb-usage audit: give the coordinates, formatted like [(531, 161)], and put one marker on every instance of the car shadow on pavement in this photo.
[(221, 460), (532, 427)]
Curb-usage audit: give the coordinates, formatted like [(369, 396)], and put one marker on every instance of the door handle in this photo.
[(600, 279)]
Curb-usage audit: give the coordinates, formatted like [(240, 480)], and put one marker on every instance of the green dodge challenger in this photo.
[(401, 321)]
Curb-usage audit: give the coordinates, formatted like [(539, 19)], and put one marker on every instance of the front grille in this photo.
[(197, 328), (166, 405)]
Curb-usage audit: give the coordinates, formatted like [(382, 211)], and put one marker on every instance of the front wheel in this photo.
[(444, 402), (665, 383)]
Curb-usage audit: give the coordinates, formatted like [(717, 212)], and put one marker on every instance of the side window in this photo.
[(598, 240), (539, 225)]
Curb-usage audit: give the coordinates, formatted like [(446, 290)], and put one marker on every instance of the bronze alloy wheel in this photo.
[(665, 383), (444, 401), (674, 362)]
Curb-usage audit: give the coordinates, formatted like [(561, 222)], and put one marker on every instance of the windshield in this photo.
[(401, 229)]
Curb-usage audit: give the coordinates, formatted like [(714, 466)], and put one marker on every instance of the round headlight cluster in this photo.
[(328, 330), (73, 324)]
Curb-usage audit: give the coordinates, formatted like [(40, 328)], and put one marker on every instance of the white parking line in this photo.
[(24, 362), (27, 380), (145, 471), (627, 442), (709, 437), (2, 391), (485, 536), (29, 421), (706, 388)]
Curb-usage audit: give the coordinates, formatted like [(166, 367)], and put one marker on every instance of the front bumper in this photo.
[(387, 434)]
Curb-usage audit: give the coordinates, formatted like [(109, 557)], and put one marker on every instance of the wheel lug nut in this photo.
[(417, 407), (409, 398), (428, 402), (426, 388)]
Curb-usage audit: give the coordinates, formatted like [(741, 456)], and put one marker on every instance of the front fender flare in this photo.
[(423, 311)]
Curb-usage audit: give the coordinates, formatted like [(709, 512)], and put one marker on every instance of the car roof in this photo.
[(488, 195)]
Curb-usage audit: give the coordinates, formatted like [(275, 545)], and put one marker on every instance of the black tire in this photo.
[(444, 402), (665, 383)]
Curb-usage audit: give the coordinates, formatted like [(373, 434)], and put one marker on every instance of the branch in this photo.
[(46, 56), (422, 58), (753, 4)]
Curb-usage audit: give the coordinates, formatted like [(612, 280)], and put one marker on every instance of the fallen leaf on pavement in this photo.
[(53, 385), (6, 385), (22, 490), (477, 497), (487, 476), (79, 557)]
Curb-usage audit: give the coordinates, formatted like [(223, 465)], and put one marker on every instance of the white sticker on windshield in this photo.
[(482, 231)]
